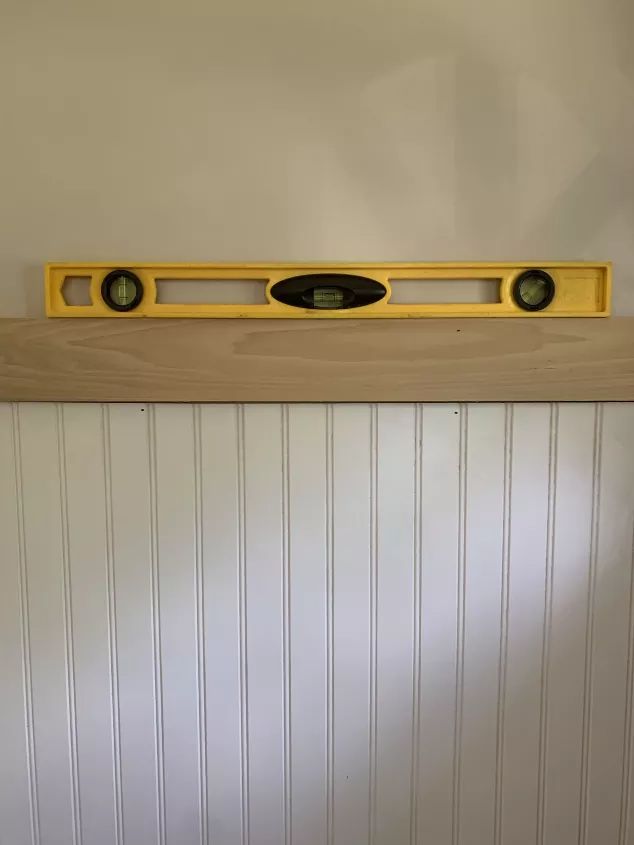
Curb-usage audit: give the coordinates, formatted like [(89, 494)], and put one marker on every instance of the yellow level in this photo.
[(313, 291)]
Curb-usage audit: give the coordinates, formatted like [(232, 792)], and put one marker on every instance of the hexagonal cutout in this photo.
[(76, 290)]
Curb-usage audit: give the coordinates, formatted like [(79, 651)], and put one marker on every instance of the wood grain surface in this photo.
[(317, 361)]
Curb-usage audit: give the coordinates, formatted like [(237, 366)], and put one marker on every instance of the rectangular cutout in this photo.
[(211, 291), (76, 290), (444, 291)]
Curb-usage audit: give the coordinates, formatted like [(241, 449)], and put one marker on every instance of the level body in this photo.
[(339, 291)]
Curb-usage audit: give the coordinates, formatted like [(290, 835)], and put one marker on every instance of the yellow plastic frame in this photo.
[(583, 289)]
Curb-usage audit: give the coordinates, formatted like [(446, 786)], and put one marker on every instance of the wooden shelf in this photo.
[(317, 361)]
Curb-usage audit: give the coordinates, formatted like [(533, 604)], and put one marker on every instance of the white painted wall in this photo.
[(315, 624), (243, 130)]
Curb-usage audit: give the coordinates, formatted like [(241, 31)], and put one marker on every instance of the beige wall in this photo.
[(205, 130)]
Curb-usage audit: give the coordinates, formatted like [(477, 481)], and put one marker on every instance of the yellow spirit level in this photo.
[(313, 291)]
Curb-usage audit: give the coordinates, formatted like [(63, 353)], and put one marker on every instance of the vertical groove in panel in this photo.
[(460, 621), (156, 630), (242, 610), (113, 654), (286, 643), (352, 527), (548, 613), (220, 506), (330, 590), (176, 500), (201, 680), (626, 776), (589, 643), (131, 522), (68, 628), (417, 628), (373, 623), (307, 549), (25, 632), (504, 621), (264, 618), (392, 522)]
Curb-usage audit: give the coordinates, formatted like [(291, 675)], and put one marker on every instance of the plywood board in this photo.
[(324, 361)]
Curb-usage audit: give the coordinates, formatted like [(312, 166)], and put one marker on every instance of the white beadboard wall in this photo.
[(316, 625)]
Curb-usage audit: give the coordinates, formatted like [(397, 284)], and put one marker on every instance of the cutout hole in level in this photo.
[(211, 291), (76, 290), (444, 291)]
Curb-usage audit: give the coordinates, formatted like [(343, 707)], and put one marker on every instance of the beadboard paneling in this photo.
[(305, 624)]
